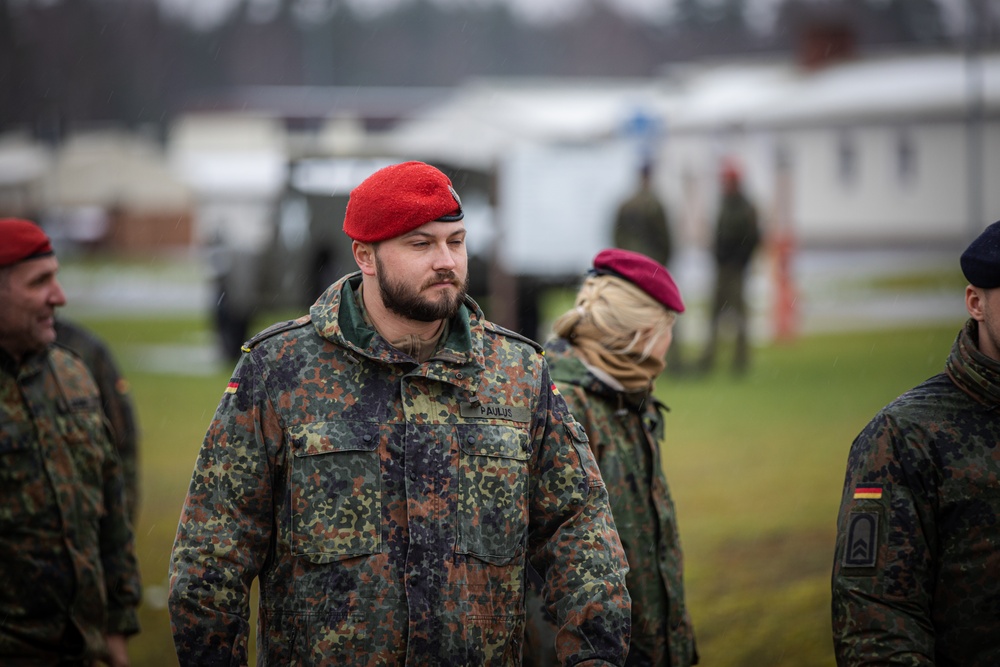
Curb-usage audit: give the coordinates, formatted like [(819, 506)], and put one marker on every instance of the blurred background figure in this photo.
[(70, 578), (641, 222), (643, 225), (115, 400), (737, 235), (234, 274), (608, 351)]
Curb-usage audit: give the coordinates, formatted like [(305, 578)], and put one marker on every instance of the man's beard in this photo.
[(407, 302)]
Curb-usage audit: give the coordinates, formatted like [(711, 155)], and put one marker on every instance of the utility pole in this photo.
[(975, 20)]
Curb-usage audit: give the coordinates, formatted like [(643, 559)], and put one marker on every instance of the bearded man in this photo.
[(387, 466)]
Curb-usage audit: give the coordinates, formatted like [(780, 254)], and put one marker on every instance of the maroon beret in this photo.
[(398, 199), (646, 274), (21, 240)]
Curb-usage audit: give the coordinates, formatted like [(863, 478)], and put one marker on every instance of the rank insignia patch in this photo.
[(868, 492), (862, 540)]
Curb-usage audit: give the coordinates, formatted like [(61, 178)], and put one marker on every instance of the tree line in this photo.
[(72, 63)]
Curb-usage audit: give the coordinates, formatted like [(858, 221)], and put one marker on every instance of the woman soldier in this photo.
[(606, 355)]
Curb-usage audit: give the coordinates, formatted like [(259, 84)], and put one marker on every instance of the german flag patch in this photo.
[(868, 492), (232, 386), (555, 390)]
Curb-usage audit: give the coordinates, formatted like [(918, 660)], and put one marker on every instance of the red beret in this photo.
[(21, 240), (646, 274), (731, 170), (398, 199)]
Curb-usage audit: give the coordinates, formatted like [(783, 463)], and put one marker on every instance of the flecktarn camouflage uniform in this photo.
[(625, 432), (116, 400), (66, 548), (389, 508), (916, 576)]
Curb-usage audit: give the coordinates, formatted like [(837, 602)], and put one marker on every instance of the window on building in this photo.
[(906, 157), (847, 158)]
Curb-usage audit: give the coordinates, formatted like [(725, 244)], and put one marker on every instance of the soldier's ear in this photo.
[(974, 302), (364, 256)]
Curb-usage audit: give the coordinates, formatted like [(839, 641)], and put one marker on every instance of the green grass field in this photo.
[(755, 465)]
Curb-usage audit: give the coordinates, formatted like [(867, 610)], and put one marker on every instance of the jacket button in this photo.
[(413, 476), (367, 437), (471, 440), (459, 374)]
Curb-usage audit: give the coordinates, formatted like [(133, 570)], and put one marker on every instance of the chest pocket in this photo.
[(17, 460), (492, 503), (82, 427), (336, 490), (21, 473)]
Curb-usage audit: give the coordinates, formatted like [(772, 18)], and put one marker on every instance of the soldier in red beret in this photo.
[(388, 465), (737, 235), (71, 582), (606, 356)]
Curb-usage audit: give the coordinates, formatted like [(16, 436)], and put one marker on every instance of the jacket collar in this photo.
[(337, 317), (566, 366), (970, 369), (29, 364)]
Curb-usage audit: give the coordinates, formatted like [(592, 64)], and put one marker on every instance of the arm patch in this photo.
[(861, 549)]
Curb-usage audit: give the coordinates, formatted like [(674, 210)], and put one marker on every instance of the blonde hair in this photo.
[(620, 311)]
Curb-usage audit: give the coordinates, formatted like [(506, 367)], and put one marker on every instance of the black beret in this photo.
[(981, 260)]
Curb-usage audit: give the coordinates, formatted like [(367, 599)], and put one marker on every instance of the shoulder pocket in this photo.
[(336, 490), (577, 432)]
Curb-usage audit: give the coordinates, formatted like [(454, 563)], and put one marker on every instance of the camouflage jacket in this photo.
[(65, 540), (916, 577), (389, 508), (625, 432), (115, 398)]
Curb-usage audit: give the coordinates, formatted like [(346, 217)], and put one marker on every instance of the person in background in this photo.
[(737, 235), (235, 272), (388, 465), (642, 225), (607, 353), (916, 572), (70, 578), (116, 401)]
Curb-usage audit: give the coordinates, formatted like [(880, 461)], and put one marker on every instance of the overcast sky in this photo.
[(760, 13)]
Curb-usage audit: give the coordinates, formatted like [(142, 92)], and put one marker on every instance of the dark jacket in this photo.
[(737, 232), (916, 575)]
